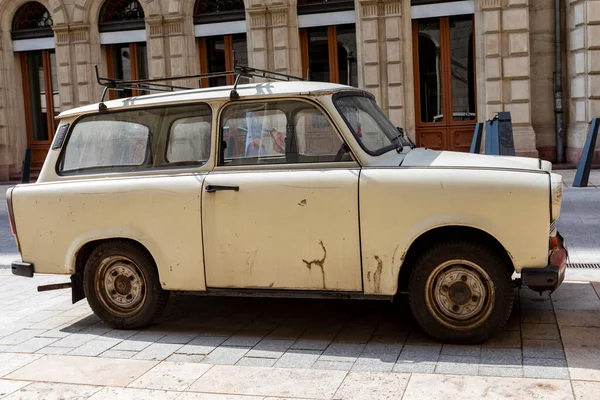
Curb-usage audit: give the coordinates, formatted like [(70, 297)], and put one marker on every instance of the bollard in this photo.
[(506, 144), (491, 137), (582, 175), (476, 143), (26, 166)]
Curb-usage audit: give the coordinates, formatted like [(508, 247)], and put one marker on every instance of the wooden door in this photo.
[(40, 92), (444, 74)]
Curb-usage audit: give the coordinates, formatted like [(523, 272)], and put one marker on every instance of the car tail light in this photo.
[(554, 243), (11, 214)]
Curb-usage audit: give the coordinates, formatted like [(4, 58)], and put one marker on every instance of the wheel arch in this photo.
[(440, 233)]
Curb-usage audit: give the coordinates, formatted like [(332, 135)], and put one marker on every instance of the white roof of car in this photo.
[(221, 92)]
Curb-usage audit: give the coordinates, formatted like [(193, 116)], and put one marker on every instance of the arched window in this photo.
[(33, 41), (328, 40), (32, 20), (123, 36), (120, 15), (221, 28)]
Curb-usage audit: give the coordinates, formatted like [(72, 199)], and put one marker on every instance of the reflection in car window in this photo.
[(97, 142), (278, 133), (369, 124)]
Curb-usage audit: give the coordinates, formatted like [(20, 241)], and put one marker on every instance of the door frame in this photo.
[(38, 147), (448, 125)]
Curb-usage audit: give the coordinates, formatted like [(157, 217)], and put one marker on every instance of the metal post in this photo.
[(25, 177), (558, 90), (506, 145), (491, 138), (476, 142), (585, 162)]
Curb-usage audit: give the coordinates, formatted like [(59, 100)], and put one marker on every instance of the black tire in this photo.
[(122, 286), (461, 292)]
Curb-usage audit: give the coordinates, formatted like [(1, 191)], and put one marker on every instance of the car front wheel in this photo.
[(461, 292), (122, 285)]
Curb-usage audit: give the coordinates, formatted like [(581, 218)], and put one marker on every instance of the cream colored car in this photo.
[(298, 189)]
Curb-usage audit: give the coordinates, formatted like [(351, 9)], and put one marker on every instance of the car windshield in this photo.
[(368, 123)]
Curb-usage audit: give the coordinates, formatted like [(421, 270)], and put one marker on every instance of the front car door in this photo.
[(280, 210)]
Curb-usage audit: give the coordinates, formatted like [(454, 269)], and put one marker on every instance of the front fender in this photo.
[(398, 205)]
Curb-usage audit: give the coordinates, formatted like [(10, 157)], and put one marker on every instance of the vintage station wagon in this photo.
[(293, 188)]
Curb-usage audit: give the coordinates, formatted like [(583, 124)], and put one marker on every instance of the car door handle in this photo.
[(214, 188)]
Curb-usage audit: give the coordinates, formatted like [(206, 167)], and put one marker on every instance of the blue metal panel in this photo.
[(585, 162), (477, 136)]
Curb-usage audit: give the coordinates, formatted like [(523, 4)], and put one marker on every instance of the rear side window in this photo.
[(101, 143), (139, 139), (189, 140)]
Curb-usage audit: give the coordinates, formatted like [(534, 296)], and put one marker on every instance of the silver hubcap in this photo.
[(460, 294), (121, 286)]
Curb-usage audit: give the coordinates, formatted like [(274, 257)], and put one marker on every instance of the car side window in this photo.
[(279, 132), (189, 140), (98, 143)]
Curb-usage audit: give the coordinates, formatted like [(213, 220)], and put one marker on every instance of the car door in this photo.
[(280, 210)]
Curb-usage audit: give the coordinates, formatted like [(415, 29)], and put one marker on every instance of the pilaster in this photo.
[(583, 44), (383, 46), (157, 52), (505, 62), (273, 40)]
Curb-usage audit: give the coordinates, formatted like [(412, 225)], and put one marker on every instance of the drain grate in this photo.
[(584, 265)]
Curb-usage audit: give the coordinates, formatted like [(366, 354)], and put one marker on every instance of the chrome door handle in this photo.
[(214, 188)]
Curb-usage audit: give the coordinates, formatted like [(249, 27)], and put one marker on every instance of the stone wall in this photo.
[(583, 21), (514, 61), (504, 60)]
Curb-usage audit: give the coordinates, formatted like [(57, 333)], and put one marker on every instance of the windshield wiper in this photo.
[(403, 134), (399, 146)]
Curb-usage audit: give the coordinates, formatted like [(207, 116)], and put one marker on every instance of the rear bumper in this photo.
[(551, 276), (22, 269)]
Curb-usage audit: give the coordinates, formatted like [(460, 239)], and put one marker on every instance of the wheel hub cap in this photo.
[(121, 285), (460, 294)]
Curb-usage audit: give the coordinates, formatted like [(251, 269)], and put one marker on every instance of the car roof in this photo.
[(215, 93)]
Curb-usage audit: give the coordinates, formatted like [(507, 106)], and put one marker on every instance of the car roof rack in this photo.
[(153, 85)]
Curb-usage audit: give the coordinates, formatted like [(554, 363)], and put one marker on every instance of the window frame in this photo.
[(133, 57), (446, 75), (128, 169), (296, 165), (229, 61), (332, 50)]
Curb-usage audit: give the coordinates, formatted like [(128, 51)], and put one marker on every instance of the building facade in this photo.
[(435, 67)]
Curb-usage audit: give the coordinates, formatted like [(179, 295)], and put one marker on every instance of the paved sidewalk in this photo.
[(225, 349)]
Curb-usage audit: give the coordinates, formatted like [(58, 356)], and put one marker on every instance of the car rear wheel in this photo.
[(122, 286), (461, 292)]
